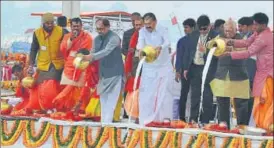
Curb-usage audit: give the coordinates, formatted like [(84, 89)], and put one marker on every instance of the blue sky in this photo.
[(16, 18)]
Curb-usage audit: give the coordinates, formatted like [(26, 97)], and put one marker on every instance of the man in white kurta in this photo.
[(155, 97)]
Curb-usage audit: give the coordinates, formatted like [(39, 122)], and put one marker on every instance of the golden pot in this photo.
[(150, 53), (219, 44), (79, 63), (28, 82)]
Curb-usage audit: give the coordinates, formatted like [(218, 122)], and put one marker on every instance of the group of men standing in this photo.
[(63, 87), (230, 76)]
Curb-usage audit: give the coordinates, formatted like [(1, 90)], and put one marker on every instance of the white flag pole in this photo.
[(177, 23)]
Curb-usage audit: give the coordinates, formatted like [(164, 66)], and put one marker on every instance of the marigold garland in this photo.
[(9, 138), (135, 138), (32, 139), (190, 142), (128, 137), (263, 144), (113, 142), (245, 143), (210, 141), (200, 140), (87, 138), (166, 140), (37, 137), (226, 142), (234, 143), (269, 144), (58, 139), (104, 137)]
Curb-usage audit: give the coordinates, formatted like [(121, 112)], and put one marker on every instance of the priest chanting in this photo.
[(76, 82), (155, 100)]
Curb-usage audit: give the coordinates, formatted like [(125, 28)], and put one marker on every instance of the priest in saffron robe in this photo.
[(76, 82), (261, 45)]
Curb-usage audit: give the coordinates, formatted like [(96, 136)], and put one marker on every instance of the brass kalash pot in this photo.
[(220, 45), (78, 62), (28, 82), (150, 53)]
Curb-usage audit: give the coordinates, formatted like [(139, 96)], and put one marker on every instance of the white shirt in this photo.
[(199, 56), (158, 37)]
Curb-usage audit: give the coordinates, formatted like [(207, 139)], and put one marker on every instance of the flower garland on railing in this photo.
[(33, 137), (210, 141), (10, 137)]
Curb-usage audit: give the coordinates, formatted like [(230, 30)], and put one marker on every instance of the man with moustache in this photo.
[(76, 82), (46, 47), (193, 65), (107, 50), (155, 97), (182, 45)]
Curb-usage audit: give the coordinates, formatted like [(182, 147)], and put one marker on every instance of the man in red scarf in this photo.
[(76, 82), (131, 63)]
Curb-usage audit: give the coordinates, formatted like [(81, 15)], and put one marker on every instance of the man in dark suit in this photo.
[(189, 25), (127, 34), (193, 65), (125, 42)]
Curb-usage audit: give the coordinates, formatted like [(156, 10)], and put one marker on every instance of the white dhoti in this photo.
[(155, 97), (109, 99)]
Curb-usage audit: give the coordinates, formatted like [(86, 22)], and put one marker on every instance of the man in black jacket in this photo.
[(193, 65), (127, 34), (182, 45)]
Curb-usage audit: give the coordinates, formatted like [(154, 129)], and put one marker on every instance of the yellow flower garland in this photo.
[(37, 137), (26, 135), (135, 139), (16, 135)]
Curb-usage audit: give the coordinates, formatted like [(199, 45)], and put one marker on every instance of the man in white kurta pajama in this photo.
[(155, 98)]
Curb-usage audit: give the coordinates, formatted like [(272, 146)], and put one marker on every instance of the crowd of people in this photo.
[(60, 86)]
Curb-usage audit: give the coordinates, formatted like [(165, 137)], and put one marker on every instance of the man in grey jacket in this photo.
[(111, 69)]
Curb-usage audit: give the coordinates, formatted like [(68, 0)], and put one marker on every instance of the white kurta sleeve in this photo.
[(141, 40), (166, 43)]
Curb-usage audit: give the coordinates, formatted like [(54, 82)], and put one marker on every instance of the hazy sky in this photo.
[(15, 15)]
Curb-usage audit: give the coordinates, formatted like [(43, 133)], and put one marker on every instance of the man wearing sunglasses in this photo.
[(193, 65), (107, 50)]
